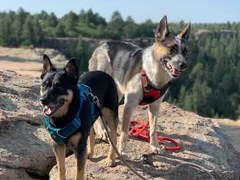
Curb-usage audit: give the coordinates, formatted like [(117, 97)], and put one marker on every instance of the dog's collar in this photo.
[(151, 93), (60, 135)]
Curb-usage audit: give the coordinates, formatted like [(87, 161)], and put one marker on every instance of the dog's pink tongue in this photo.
[(48, 110), (175, 72)]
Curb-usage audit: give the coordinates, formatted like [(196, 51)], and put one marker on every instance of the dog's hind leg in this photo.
[(98, 125), (99, 130), (153, 112), (60, 152), (112, 122), (90, 144)]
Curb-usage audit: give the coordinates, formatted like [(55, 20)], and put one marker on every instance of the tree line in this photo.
[(210, 86)]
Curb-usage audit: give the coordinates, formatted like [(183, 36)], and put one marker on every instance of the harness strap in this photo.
[(150, 93), (59, 135)]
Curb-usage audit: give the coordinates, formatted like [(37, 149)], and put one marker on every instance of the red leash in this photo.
[(139, 129)]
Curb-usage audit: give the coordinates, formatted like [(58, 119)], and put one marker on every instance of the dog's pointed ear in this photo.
[(185, 33), (47, 65), (72, 69), (162, 29)]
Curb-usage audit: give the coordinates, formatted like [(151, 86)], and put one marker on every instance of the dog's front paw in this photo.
[(157, 149), (109, 162)]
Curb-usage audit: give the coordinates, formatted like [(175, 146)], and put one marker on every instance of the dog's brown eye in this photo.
[(57, 84), (174, 49), (184, 51), (45, 83)]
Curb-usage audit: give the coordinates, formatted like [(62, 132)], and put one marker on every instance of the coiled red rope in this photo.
[(138, 129)]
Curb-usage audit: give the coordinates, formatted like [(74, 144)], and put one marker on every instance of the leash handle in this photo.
[(138, 130)]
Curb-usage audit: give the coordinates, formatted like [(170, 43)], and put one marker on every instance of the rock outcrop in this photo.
[(26, 154), (25, 146)]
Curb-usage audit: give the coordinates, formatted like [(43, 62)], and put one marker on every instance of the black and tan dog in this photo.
[(69, 111), (143, 75)]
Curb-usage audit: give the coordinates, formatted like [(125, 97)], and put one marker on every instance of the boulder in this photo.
[(14, 174), (25, 146)]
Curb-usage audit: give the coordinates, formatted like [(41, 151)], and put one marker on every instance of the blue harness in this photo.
[(59, 135)]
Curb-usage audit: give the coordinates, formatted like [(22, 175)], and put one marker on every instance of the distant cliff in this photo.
[(68, 43)]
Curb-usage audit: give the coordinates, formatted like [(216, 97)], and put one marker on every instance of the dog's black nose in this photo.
[(44, 101), (183, 65)]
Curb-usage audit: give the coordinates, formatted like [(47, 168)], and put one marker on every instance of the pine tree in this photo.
[(82, 54), (5, 31), (59, 31), (17, 27), (28, 32), (115, 25), (37, 31), (52, 20), (129, 28), (70, 21)]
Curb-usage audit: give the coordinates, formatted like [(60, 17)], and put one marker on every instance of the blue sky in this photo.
[(139, 10)]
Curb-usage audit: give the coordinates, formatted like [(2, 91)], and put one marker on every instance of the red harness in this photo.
[(151, 94), (139, 128)]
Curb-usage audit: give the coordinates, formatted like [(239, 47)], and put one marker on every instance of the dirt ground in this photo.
[(27, 61), (23, 61)]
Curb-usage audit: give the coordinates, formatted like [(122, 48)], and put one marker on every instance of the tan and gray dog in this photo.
[(162, 62)]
